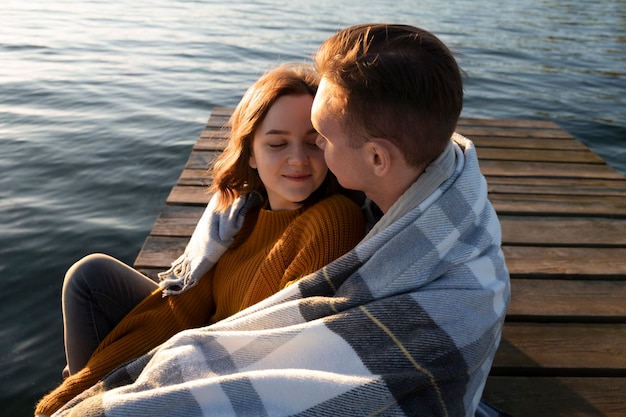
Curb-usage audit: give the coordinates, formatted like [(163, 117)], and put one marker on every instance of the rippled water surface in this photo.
[(101, 101)]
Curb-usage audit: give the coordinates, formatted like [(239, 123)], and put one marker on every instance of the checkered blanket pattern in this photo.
[(407, 323)]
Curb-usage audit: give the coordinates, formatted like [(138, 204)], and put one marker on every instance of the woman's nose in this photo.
[(298, 156)]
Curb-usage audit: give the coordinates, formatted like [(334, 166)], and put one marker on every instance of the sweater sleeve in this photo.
[(323, 233), (148, 325)]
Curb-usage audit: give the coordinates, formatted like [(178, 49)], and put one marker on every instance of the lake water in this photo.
[(101, 101)]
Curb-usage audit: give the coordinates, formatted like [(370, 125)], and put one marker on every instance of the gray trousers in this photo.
[(98, 291)]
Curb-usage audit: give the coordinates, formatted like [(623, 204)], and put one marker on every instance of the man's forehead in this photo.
[(325, 105), (319, 110), (322, 96)]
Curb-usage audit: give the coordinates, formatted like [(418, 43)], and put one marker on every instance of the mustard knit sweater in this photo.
[(270, 252)]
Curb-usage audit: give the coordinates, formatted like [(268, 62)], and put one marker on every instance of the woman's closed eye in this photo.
[(277, 145), (312, 140)]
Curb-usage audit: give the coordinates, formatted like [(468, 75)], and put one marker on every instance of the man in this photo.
[(405, 324), (389, 100)]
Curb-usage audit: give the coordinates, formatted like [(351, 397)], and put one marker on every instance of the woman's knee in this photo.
[(87, 271), (107, 277)]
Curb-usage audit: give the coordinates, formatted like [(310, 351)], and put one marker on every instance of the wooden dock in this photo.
[(563, 215)]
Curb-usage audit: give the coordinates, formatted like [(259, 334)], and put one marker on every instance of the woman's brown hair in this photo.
[(232, 174)]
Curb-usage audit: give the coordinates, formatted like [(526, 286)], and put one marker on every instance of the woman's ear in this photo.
[(252, 162)]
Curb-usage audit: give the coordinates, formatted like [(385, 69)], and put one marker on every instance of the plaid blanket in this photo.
[(405, 324)]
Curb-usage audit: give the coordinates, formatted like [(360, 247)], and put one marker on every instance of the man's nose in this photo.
[(320, 142)]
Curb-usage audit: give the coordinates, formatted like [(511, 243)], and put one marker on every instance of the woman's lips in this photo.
[(297, 177)]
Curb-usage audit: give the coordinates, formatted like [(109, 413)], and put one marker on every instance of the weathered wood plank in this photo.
[(567, 300), (215, 124), (556, 231), (558, 205), (547, 169), (564, 186), (195, 177), (557, 396), (221, 112), (510, 123), (553, 349), (159, 252), (539, 155), (177, 220), (562, 262), (471, 131), (200, 159), (527, 143), (188, 195), (215, 133), (212, 143)]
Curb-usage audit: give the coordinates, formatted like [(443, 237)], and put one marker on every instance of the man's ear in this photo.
[(380, 155)]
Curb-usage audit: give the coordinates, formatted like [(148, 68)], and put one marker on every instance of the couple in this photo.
[(405, 323)]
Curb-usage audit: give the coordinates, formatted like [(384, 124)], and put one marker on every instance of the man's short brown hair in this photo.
[(395, 82)]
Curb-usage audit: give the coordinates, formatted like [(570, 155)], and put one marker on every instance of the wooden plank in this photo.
[(556, 231), (557, 396), (211, 143), (221, 112), (547, 169), (158, 252), (561, 262), (510, 123), (559, 205), (531, 132), (177, 220), (567, 300), (213, 133), (539, 155), (553, 349), (200, 159), (216, 124), (527, 143), (195, 177), (565, 186), (188, 195)]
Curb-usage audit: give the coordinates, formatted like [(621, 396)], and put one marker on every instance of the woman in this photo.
[(113, 314)]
